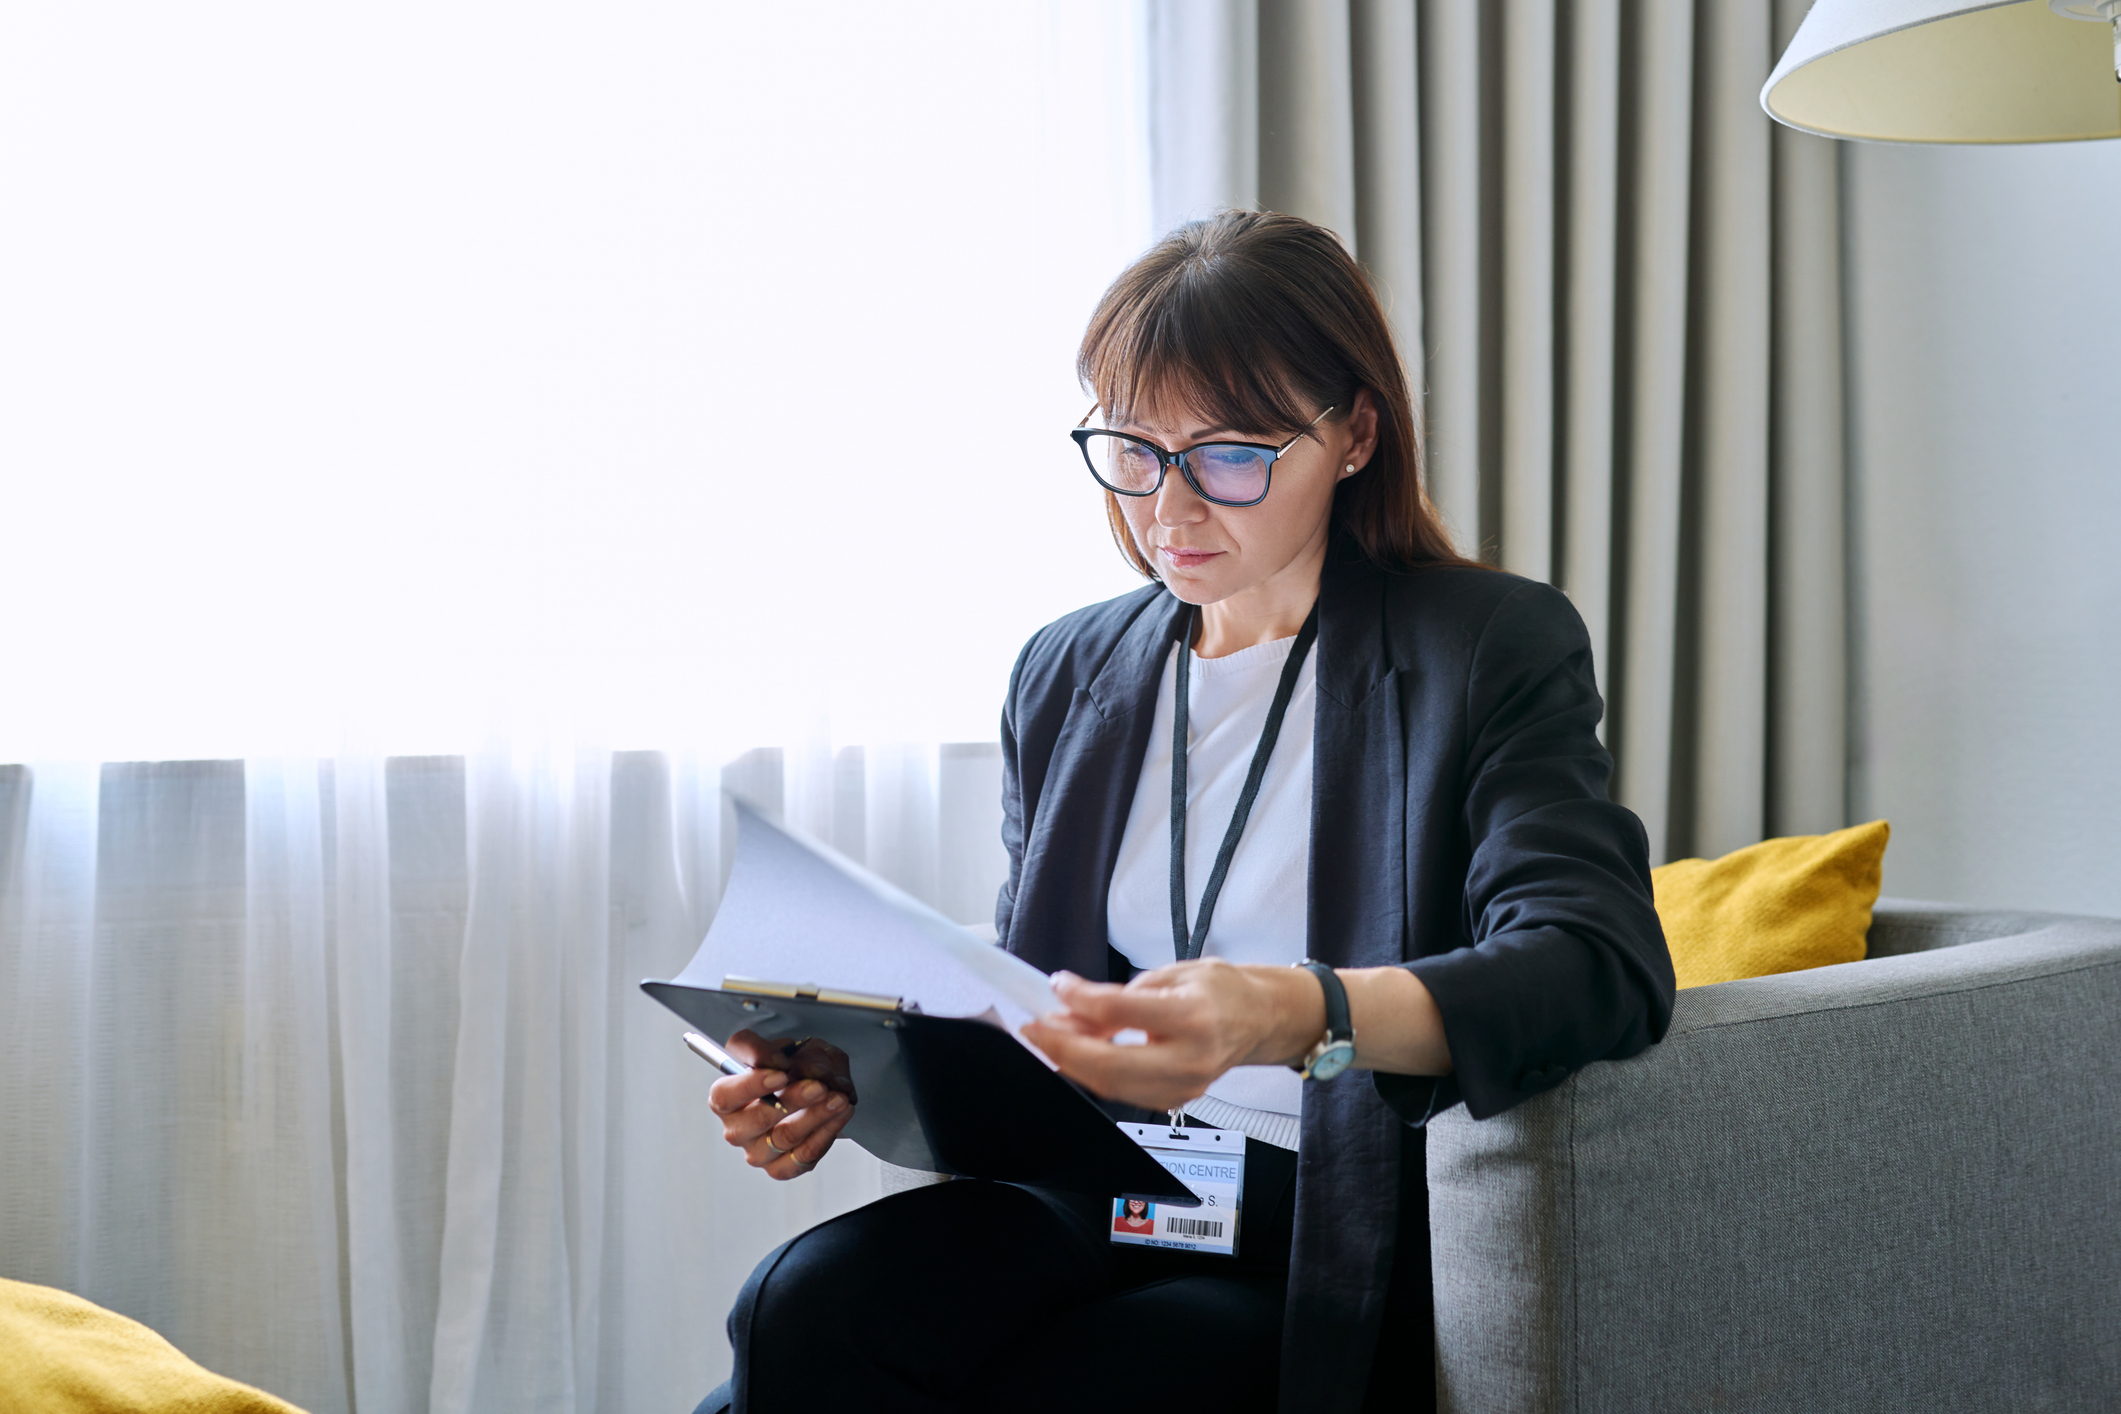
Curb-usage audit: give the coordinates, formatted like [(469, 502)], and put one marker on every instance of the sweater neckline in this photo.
[(1272, 653)]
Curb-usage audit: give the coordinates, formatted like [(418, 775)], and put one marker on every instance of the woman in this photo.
[(1320, 775)]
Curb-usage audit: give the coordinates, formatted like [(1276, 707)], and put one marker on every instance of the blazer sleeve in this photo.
[(1012, 800), (1568, 962)]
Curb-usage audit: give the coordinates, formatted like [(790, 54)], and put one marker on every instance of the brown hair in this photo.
[(1255, 320)]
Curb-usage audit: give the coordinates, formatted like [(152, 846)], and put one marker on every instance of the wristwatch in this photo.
[(1335, 1050)]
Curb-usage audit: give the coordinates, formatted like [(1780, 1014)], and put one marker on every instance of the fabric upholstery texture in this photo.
[(1778, 906), (1882, 1186), (60, 1354)]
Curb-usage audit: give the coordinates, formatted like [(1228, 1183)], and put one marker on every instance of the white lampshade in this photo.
[(1939, 71)]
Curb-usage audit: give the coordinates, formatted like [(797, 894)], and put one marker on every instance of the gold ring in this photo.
[(775, 1147)]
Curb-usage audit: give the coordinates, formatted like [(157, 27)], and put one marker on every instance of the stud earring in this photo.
[(1351, 469)]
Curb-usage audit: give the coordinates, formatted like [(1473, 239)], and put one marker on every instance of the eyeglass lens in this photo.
[(1222, 471)]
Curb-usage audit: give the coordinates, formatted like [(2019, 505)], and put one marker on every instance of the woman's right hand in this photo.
[(788, 1142)]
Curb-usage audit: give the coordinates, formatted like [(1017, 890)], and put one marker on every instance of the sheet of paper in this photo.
[(798, 911)]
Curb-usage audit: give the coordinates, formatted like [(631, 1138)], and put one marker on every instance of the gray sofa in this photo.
[(1889, 1185)]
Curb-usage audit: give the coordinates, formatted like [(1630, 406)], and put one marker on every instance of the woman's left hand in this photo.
[(1201, 1019)]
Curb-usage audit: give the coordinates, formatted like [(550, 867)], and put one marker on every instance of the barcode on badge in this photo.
[(1192, 1227)]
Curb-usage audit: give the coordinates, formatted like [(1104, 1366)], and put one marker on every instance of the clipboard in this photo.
[(945, 1094)]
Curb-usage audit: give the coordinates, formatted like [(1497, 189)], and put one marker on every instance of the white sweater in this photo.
[(1260, 915)]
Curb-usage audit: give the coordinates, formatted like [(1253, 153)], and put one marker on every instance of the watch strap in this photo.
[(1339, 1026)]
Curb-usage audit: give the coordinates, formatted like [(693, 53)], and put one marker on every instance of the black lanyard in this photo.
[(1188, 947)]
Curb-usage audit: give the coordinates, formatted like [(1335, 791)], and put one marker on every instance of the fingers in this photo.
[(1083, 999), (783, 1123), (1076, 1024), (794, 1146), (733, 1093), (1154, 1076), (1176, 1007), (764, 1113), (816, 1107), (1153, 1002)]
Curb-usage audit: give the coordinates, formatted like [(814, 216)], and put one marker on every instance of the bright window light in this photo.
[(669, 373)]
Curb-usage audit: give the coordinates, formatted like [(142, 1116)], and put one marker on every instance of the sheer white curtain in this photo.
[(336, 1071), (686, 379)]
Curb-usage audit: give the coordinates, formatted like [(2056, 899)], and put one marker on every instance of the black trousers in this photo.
[(974, 1296), (971, 1296)]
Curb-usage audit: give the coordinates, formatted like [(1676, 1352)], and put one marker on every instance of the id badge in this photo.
[(1211, 1162)]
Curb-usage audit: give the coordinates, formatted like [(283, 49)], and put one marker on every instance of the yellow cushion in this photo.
[(1779, 906), (62, 1355)]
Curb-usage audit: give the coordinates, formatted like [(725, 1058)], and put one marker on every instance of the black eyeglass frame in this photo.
[(1166, 460)]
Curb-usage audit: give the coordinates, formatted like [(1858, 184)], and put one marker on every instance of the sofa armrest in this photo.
[(1893, 1184), (1900, 926)]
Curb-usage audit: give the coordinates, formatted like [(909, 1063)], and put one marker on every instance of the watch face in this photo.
[(1333, 1060)]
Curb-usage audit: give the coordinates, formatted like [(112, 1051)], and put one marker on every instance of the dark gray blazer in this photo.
[(1459, 827)]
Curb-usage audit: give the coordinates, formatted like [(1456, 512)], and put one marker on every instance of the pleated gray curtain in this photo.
[(1618, 285)]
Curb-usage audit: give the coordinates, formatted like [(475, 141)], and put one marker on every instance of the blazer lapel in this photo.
[(1072, 843)]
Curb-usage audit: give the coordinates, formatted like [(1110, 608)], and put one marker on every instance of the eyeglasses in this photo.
[(1226, 473)]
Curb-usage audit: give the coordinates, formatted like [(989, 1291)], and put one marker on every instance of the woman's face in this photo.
[(1206, 553), (1136, 1207)]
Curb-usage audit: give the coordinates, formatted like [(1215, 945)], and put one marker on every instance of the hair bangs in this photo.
[(1185, 345)]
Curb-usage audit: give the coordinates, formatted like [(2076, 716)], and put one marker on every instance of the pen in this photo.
[(726, 1063)]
